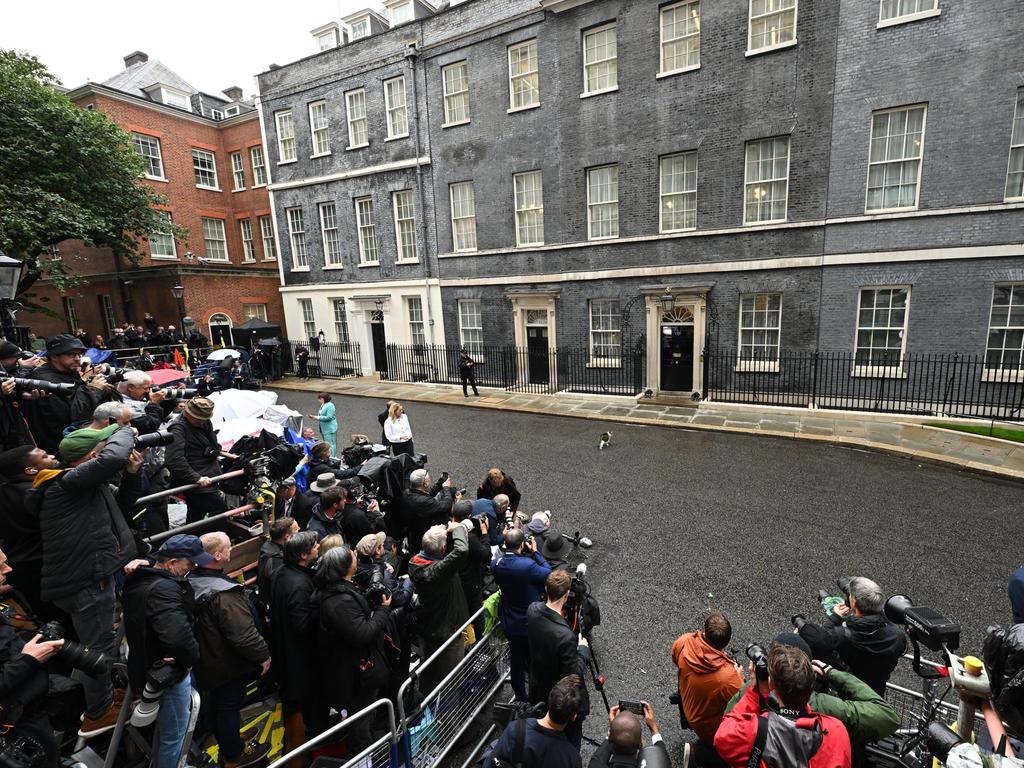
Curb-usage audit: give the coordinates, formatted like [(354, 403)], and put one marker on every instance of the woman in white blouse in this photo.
[(397, 430)]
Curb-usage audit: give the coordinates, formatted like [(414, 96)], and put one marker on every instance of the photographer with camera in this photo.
[(867, 716), (625, 742), (859, 637), (194, 457), (231, 650), (555, 650), (48, 416), (520, 575), (136, 391), (326, 519), (373, 568), (474, 566), (111, 412), (542, 742), (272, 555), (159, 619), (707, 679), (496, 510), (355, 645), (86, 541), (13, 427), (773, 724), (24, 684), (442, 606), (292, 635), (426, 504), (497, 482)]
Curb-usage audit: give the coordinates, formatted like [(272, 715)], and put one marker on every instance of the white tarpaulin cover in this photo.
[(241, 404), (229, 431), (282, 414)]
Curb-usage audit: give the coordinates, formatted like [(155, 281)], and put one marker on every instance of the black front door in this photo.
[(677, 358), (537, 355), (380, 348)]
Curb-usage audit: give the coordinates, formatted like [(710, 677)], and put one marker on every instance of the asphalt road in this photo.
[(752, 526)]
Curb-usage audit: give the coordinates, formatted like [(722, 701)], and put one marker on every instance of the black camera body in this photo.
[(925, 625), (49, 387), (21, 751), (376, 591), (760, 659), (152, 440), (78, 656)]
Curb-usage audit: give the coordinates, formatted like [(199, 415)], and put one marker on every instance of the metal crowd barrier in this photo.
[(446, 712), (382, 752)]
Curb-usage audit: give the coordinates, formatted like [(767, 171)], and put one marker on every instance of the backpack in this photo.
[(489, 761)]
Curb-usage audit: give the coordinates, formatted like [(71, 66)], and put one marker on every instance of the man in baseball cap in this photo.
[(82, 442), (48, 417), (194, 457)]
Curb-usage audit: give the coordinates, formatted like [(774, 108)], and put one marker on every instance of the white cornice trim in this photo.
[(370, 170), (557, 6), (791, 262), (90, 89), (340, 288), (991, 208)]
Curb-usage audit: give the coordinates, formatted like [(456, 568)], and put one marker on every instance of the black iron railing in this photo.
[(520, 369), (330, 359), (926, 384)]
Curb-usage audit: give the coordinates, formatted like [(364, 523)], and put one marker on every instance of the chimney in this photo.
[(135, 58), (233, 92)]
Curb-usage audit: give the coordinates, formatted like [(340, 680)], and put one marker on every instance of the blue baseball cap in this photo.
[(185, 545)]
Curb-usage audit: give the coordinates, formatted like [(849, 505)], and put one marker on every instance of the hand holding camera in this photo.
[(42, 650)]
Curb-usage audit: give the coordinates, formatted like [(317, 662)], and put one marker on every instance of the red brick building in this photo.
[(205, 155)]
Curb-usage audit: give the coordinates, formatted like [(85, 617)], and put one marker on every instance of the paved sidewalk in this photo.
[(889, 433)]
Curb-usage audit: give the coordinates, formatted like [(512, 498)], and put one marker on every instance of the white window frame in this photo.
[(237, 172), (455, 89), (140, 139), (523, 211), (366, 232), (772, 180), (297, 238), (905, 18), (686, 5), (259, 170), (175, 98), (197, 160), (1016, 146), (170, 235), (308, 318), (353, 121), (751, 50), (531, 76), (285, 125), (475, 348), (417, 326), (1000, 374), (222, 239), (260, 312), (881, 371), (587, 91), (591, 205), (396, 131), (359, 29), (593, 361), (319, 129), (267, 236), (340, 321), (684, 195), (411, 220), (248, 249), (327, 40), (393, 13), (762, 365), (329, 235), (455, 219), (905, 159)]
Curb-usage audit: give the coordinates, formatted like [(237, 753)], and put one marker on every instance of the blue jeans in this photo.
[(171, 724), (92, 615)]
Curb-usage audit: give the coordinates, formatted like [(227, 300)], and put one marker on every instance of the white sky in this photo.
[(212, 44)]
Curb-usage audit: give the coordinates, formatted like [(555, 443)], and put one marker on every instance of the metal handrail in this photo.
[(330, 732), (157, 538)]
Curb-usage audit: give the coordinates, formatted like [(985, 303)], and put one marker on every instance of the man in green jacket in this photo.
[(866, 715), (442, 608)]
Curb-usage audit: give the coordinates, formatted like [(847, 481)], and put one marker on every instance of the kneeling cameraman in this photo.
[(24, 684), (625, 743)]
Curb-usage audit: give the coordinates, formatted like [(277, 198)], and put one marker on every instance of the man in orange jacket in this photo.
[(708, 678)]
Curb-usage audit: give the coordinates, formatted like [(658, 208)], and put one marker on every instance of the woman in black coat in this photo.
[(354, 654), (497, 482)]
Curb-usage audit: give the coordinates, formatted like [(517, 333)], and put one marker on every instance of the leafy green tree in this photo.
[(65, 174)]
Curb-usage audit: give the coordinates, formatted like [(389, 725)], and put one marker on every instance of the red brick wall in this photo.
[(208, 288)]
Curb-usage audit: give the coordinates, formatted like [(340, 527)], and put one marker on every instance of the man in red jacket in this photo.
[(773, 719)]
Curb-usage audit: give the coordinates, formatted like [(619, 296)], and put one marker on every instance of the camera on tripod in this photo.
[(581, 609), (91, 662), (926, 627)]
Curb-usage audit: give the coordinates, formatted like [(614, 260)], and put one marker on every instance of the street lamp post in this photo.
[(10, 276), (178, 292)]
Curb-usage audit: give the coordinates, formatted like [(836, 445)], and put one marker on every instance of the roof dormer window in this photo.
[(173, 98), (360, 28), (401, 13)]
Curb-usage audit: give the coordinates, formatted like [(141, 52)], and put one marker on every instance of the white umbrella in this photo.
[(241, 404), (220, 354), (228, 432)]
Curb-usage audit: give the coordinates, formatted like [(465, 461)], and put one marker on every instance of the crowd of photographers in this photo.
[(350, 592)]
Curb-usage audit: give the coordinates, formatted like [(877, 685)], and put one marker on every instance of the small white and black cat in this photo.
[(606, 439)]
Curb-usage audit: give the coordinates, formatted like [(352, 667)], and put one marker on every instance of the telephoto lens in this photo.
[(159, 677), (798, 621), (91, 662), (757, 655), (152, 440)]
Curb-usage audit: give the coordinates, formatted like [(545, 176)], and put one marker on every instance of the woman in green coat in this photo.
[(328, 419)]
